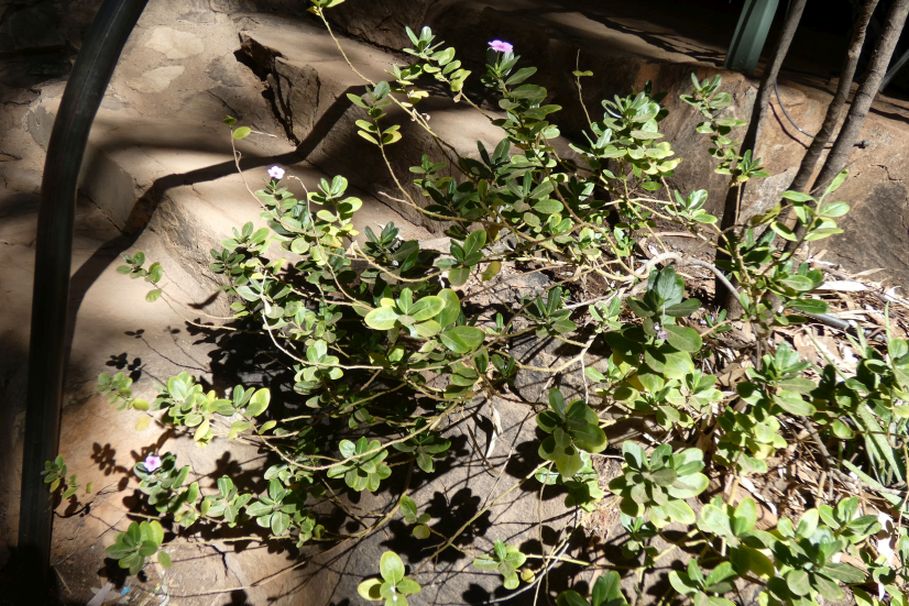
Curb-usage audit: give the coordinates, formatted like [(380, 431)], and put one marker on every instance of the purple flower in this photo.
[(661, 333), (500, 46), (152, 462), (276, 173)]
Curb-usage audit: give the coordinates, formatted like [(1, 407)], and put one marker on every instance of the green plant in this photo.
[(393, 587), (140, 541), (55, 476), (573, 429), (656, 486), (606, 591), (391, 344), (505, 560)]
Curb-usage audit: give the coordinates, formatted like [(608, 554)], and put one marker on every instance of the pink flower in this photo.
[(152, 462), (500, 46), (276, 173)]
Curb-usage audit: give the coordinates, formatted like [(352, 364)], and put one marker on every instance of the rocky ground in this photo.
[(159, 176)]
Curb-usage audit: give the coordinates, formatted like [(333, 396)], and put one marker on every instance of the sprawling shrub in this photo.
[(386, 341)]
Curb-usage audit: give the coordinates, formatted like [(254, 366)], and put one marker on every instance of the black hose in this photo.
[(53, 251)]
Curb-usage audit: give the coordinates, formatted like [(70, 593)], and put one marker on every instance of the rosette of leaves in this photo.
[(663, 302), (606, 591), (141, 541), (690, 207), (550, 315), (572, 429), (641, 535), (133, 267), (252, 402), (780, 380), (417, 317), (188, 405), (778, 386), (748, 439), (651, 369), (629, 133), (117, 388), (318, 369), (736, 527), (505, 560), (434, 60), (807, 555), (425, 447), (395, 256), (464, 257), (394, 586), (363, 466), (227, 504), (656, 487), (334, 211), (275, 509), (54, 474), (167, 490), (704, 589)]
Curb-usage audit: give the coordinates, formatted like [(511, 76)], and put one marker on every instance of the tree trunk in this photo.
[(861, 103), (880, 59), (731, 210), (837, 105)]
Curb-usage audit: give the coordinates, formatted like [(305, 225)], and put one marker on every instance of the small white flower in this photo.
[(836, 558), (276, 173)]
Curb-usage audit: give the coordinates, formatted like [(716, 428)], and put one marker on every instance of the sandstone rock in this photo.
[(174, 44), (157, 80)]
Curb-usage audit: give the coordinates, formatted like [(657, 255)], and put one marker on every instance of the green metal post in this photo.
[(751, 34)]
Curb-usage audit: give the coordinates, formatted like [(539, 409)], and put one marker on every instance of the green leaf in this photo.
[(607, 590), (548, 206), (833, 210), (793, 403), (462, 339), (369, 590), (381, 318), (797, 196), (426, 308), (164, 559), (391, 567), (474, 242), (798, 283), (683, 338), (571, 598), (458, 275), (807, 306), (241, 133), (835, 184), (745, 516), (798, 582), (258, 402), (845, 573), (679, 511), (452, 309), (492, 268)]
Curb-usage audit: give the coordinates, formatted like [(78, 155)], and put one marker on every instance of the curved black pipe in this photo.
[(53, 252)]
